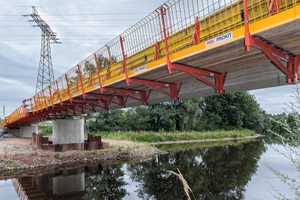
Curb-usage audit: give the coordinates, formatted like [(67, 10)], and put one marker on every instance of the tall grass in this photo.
[(174, 136), (186, 187)]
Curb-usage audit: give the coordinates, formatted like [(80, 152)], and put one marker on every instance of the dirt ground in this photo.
[(18, 154)]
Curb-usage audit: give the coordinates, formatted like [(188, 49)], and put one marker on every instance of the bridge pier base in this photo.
[(68, 131)]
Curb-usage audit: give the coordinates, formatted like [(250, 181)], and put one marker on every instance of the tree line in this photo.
[(220, 112)]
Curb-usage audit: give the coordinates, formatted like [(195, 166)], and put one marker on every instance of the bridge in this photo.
[(183, 49)]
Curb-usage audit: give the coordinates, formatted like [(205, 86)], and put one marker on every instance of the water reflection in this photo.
[(213, 172), (66, 183), (109, 185)]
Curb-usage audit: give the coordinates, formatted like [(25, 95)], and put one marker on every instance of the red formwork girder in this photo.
[(274, 7), (149, 83), (272, 51), (58, 93), (196, 34), (156, 54), (154, 84), (79, 71), (93, 102), (109, 98), (194, 71), (123, 92)]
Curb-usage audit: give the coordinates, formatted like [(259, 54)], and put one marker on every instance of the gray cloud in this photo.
[(273, 100)]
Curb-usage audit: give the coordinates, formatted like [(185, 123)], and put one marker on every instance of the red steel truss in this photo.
[(273, 52)]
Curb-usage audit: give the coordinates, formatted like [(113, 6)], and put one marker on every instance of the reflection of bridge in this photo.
[(183, 49), (63, 184)]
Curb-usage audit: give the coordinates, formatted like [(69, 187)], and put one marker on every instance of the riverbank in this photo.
[(208, 140), (18, 154)]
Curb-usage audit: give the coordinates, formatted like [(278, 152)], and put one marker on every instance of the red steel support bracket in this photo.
[(107, 73), (148, 83), (220, 77), (101, 89), (274, 8), (156, 54), (196, 34), (83, 94), (81, 105), (68, 88), (108, 98), (51, 96), (195, 72), (45, 101), (58, 93), (126, 93), (272, 53), (163, 10), (36, 110), (152, 84), (31, 105), (124, 60), (39, 100), (247, 32), (275, 54), (94, 102)]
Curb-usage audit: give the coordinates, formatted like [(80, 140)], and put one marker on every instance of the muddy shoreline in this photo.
[(17, 154)]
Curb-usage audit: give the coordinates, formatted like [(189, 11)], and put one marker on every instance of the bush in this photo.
[(47, 131)]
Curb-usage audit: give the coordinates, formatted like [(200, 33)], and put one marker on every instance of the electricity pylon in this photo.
[(45, 73)]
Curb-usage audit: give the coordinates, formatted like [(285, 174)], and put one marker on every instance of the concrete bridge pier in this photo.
[(22, 131), (68, 131)]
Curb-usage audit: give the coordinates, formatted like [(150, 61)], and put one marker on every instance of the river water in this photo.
[(213, 171)]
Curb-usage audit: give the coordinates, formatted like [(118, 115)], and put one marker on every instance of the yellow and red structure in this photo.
[(175, 31)]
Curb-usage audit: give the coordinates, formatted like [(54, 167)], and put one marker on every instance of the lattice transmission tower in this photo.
[(45, 72)]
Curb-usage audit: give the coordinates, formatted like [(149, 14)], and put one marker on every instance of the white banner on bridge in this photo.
[(140, 69), (219, 39)]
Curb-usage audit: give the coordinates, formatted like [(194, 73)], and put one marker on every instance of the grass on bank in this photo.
[(197, 145), (144, 136)]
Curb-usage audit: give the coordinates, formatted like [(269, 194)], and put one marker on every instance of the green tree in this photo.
[(230, 111), (103, 62)]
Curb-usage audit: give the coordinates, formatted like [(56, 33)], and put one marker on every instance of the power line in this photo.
[(127, 2), (39, 43), (60, 35), (93, 20), (71, 26), (90, 14)]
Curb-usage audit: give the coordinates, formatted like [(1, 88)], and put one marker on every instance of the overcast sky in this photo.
[(83, 27)]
